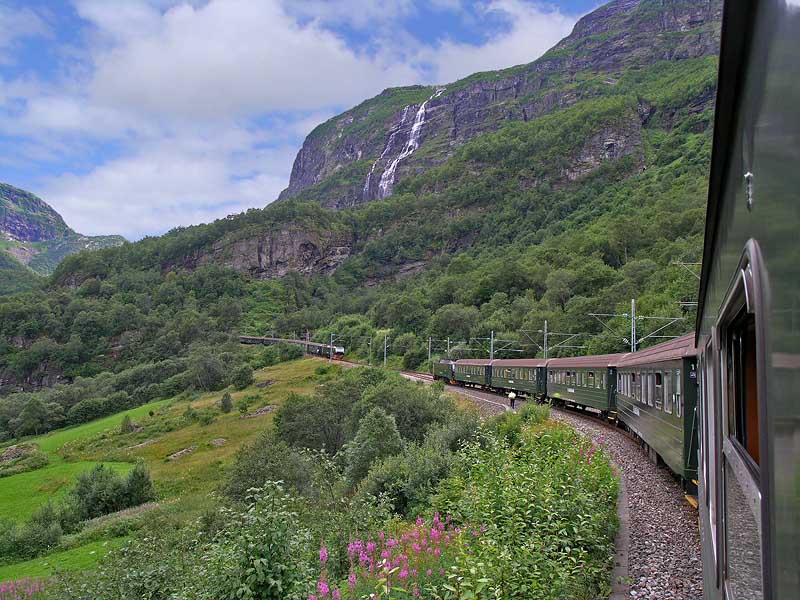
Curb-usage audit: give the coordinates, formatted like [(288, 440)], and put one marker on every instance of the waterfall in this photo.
[(385, 150), (387, 178)]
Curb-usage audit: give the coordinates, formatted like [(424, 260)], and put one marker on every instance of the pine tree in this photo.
[(226, 404)]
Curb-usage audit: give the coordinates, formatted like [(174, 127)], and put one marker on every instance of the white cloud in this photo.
[(532, 31), (16, 24), (231, 57), (206, 103), (156, 190)]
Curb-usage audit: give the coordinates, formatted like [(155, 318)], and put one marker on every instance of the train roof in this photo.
[(520, 362), (597, 360), (478, 362), (672, 350)]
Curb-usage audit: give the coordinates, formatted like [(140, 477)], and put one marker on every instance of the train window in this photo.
[(678, 398), (651, 392), (741, 384), (659, 390), (668, 392)]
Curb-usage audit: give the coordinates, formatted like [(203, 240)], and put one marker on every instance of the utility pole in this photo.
[(448, 347), (385, 345), (545, 339), (634, 340), (430, 364), (491, 346)]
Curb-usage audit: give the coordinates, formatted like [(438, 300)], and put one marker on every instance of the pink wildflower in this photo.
[(323, 555), (336, 595), (420, 522), (403, 574), (429, 572), (371, 546), (351, 579), (437, 552), (322, 588)]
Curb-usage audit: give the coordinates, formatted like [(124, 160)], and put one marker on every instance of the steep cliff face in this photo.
[(35, 235), (275, 252), (362, 154)]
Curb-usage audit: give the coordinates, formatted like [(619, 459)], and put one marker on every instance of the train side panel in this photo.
[(590, 387)]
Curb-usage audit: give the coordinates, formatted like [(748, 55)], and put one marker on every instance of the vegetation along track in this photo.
[(663, 536)]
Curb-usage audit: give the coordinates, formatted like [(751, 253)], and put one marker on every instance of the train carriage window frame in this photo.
[(659, 390), (742, 371), (668, 399)]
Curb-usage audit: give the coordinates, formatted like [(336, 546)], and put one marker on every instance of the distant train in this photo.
[(653, 392), (314, 348)]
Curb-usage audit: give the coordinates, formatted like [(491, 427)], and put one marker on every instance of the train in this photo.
[(332, 351), (652, 393)]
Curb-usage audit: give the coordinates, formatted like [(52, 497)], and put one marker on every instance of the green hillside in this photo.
[(35, 236)]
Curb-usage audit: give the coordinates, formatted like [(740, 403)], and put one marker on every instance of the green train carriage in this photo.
[(657, 399), (474, 372), (585, 381), (524, 376)]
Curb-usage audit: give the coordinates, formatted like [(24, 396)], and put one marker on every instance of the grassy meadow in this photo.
[(162, 429)]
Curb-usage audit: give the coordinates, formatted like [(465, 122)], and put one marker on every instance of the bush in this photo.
[(267, 459), (377, 438), (226, 403), (127, 425), (549, 504), (101, 491), (262, 553), (242, 377), (415, 407)]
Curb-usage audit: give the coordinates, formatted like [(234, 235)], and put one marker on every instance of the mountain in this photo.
[(628, 47), (35, 235), (547, 191)]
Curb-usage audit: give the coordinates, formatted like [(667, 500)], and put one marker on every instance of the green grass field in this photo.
[(75, 559), (21, 495), (185, 482)]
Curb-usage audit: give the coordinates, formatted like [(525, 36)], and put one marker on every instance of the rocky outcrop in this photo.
[(275, 252), (366, 141)]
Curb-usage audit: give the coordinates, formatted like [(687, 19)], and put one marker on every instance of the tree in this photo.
[(208, 372), (377, 438), (138, 486), (33, 418), (127, 425), (226, 404), (242, 377)]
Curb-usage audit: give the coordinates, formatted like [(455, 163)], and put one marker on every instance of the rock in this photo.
[(264, 410), (181, 453), (219, 442)]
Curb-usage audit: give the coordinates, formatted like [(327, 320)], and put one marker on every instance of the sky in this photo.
[(133, 117)]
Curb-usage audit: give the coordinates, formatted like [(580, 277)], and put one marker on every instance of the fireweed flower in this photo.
[(323, 555), (351, 579), (336, 595), (322, 588), (371, 547)]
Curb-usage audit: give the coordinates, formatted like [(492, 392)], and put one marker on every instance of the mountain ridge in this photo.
[(341, 159), (35, 235)]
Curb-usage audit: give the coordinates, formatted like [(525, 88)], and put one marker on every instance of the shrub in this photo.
[(138, 486), (243, 406), (226, 403), (377, 437), (263, 553), (415, 407), (242, 377), (127, 425), (101, 491), (267, 459), (550, 506)]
